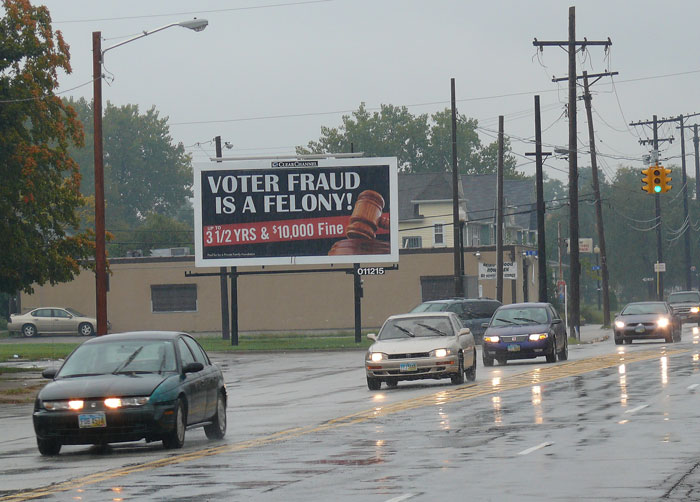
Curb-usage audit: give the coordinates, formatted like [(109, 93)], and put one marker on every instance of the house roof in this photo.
[(477, 192)]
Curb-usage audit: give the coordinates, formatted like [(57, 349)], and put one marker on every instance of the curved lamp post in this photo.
[(100, 252)]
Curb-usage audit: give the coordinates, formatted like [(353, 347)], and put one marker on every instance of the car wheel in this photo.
[(374, 383), (618, 341), (552, 358), (217, 428), (679, 333), (176, 438), (669, 338), (392, 383), (488, 361), (29, 330), (564, 354), (86, 329), (470, 372), (502, 360), (48, 447), (458, 378), (628, 341)]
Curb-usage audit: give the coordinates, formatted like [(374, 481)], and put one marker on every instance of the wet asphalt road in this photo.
[(613, 422)]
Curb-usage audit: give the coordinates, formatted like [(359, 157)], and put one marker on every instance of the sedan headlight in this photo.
[(116, 402), (694, 310), (537, 336), (491, 339), (619, 324), (73, 404), (440, 353), (663, 322), (376, 357)]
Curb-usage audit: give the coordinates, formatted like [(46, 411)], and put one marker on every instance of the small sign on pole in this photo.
[(659, 267)]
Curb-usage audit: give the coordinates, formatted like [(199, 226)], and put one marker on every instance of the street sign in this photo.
[(530, 252), (595, 267), (585, 245), (659, 267), (647, 279)]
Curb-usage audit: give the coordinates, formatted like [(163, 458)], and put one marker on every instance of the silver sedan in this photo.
[(45, 320), (420, 346)]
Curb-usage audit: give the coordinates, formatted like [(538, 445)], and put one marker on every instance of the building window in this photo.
[(438, 234), (411, 242), (174, 298)]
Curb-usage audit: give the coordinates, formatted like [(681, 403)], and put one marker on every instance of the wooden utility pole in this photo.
[(456, 232), (657, 197), (570, 46), (499, 213), (223, 271), (598, 203), (539, 189)]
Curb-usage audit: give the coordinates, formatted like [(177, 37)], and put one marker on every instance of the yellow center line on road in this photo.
[(453, 395)]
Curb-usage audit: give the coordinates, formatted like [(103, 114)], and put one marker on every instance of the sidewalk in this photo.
[(593, 333)]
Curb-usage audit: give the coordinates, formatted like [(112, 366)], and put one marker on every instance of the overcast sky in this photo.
[(266, 75)]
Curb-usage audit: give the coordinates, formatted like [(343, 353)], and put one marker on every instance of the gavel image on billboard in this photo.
[(361, 233)]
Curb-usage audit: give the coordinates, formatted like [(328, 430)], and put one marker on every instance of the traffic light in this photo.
[(656, 179), (665, 179), (646, 181)]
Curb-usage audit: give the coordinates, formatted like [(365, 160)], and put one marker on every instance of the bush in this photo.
[(591, 315)]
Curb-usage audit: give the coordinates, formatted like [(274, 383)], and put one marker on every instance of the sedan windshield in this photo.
[(645, 308), (133, 356), (416, 327), (515, 316), (431, 307)]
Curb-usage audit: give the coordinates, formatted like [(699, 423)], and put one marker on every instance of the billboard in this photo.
[(272, 212)]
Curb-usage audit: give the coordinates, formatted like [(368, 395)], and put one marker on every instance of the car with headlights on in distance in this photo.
[(525, 331), (647, 321), (686, 304), (429, 345), (130, 386)]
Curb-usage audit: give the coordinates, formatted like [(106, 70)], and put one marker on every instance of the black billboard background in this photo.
[(372, 177)]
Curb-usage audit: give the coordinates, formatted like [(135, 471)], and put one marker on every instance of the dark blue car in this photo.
[(525, 331)]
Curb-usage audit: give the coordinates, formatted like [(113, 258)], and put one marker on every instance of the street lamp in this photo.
[(100, 253)]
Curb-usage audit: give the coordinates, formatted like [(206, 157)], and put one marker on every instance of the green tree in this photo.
[(40, 189), (144, 171), (155, 231), (421, 143)]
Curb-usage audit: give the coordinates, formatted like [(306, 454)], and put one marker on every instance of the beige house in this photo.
[(155, 293), (425, 211)]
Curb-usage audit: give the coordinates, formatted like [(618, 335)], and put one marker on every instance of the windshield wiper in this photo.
[(526, 319), (436, 330), (80, 375), (128, 361), (409, 333), (506, 320)]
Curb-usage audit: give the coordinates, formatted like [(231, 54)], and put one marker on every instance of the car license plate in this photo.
[(639, 329), (513, 347), (90, 420), (403, 367)]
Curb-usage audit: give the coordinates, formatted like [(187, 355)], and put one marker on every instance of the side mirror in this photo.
[(372, 336), (484, 325), (464, 331), (193, 368), (49, 373), (556, 321)]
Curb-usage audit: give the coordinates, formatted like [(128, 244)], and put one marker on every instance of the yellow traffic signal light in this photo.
[(647, 185), (665, 179), (656, 179)]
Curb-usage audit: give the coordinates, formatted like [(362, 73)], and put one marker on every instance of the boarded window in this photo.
[(174, 298)]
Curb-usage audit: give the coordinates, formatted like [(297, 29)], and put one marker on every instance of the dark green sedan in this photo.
[(130, 386)]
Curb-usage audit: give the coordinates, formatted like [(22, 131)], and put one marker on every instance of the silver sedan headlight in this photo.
[(440, 353), (376, 357), (663, 322), (619, 324)]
